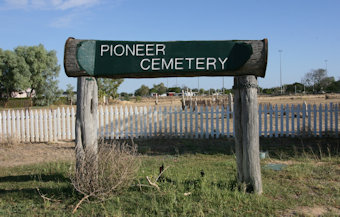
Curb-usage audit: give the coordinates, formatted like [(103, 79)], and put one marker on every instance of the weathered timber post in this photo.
[(247, 133), (87, 103), (244, 59), (86, 122)]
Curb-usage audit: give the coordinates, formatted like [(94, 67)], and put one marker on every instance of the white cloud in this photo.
[(64, 5), (48, 4), (64, 21)]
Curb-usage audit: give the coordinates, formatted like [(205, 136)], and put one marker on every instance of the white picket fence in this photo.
[(168, 122)]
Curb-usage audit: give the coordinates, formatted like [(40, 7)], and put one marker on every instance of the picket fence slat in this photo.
[(191, 122)]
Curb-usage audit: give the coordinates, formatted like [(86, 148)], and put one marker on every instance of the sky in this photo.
[(306, 31)]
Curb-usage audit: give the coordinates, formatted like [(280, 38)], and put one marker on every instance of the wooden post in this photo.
[(86, 121), (247, 133)]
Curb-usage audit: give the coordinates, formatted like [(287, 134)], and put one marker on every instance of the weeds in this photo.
[(117, 167), (9, 141), (184, 191)]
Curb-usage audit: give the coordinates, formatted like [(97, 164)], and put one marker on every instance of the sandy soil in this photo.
[(290, 99), (30, 153)]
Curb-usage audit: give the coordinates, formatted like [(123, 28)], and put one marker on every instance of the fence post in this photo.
[(222, 121), (23, 133), (314, 120), (9, 128), (320, 120), (145, 112), (36, 126), (13, 124), (127, 124), (18, 126), (217, 122), (228, 122), (4, 118), (336, 114), (276, 122), (68, 125), (73, 124), (160, 120), (170, 121), (136, 122), (165, 115), (201, 122), (155, 120), (46, 126), (326, 120), (196, 121), (281, 120), (206, 122), (265, 111), (298, 117), (247, 132), (86, 122), (331, 118), (271, 121), (309, 114), (50, 129), (1, 133), (190, 117), (107, 133)]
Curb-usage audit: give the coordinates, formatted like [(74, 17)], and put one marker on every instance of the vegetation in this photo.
[(32, 69), (70, 93), (142, 91), (317, 81), (117, 166), (197, 180), (159, 89), (108, 87)]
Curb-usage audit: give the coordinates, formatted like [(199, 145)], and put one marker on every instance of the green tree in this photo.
[(44, 70), (314, 78), (142, 91), (14, 73), (70, 93), (291, 88), (158, 88), (334, 87), (201, 92), (108, 87), (175, 89)]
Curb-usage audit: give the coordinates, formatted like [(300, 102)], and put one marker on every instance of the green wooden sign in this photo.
[(139, 59)]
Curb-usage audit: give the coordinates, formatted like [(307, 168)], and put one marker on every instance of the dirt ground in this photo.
[(30, 153), (290, 99)]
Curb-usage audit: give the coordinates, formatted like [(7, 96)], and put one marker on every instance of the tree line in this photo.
[(160, 89), (315, 81)]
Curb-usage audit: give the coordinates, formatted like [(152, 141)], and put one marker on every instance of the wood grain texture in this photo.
[(71, 66), (256, 65), (86, 119), (247, 133)]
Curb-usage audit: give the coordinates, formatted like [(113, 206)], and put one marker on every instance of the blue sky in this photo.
[(306, 31)]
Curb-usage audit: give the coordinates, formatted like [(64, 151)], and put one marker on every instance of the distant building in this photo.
[(22, 94)]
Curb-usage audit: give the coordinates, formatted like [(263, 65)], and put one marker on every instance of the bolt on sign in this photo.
[(140, 59)]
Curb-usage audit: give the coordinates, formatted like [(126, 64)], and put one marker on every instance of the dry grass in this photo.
[(9, 141), (107, 174)]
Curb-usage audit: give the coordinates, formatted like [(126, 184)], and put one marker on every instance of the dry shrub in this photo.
[(9, 141), (110, 173)]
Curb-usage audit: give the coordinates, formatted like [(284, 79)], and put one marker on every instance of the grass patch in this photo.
[(307, 183)]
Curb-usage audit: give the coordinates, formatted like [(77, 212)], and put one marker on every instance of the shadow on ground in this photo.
[(276, 147)]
